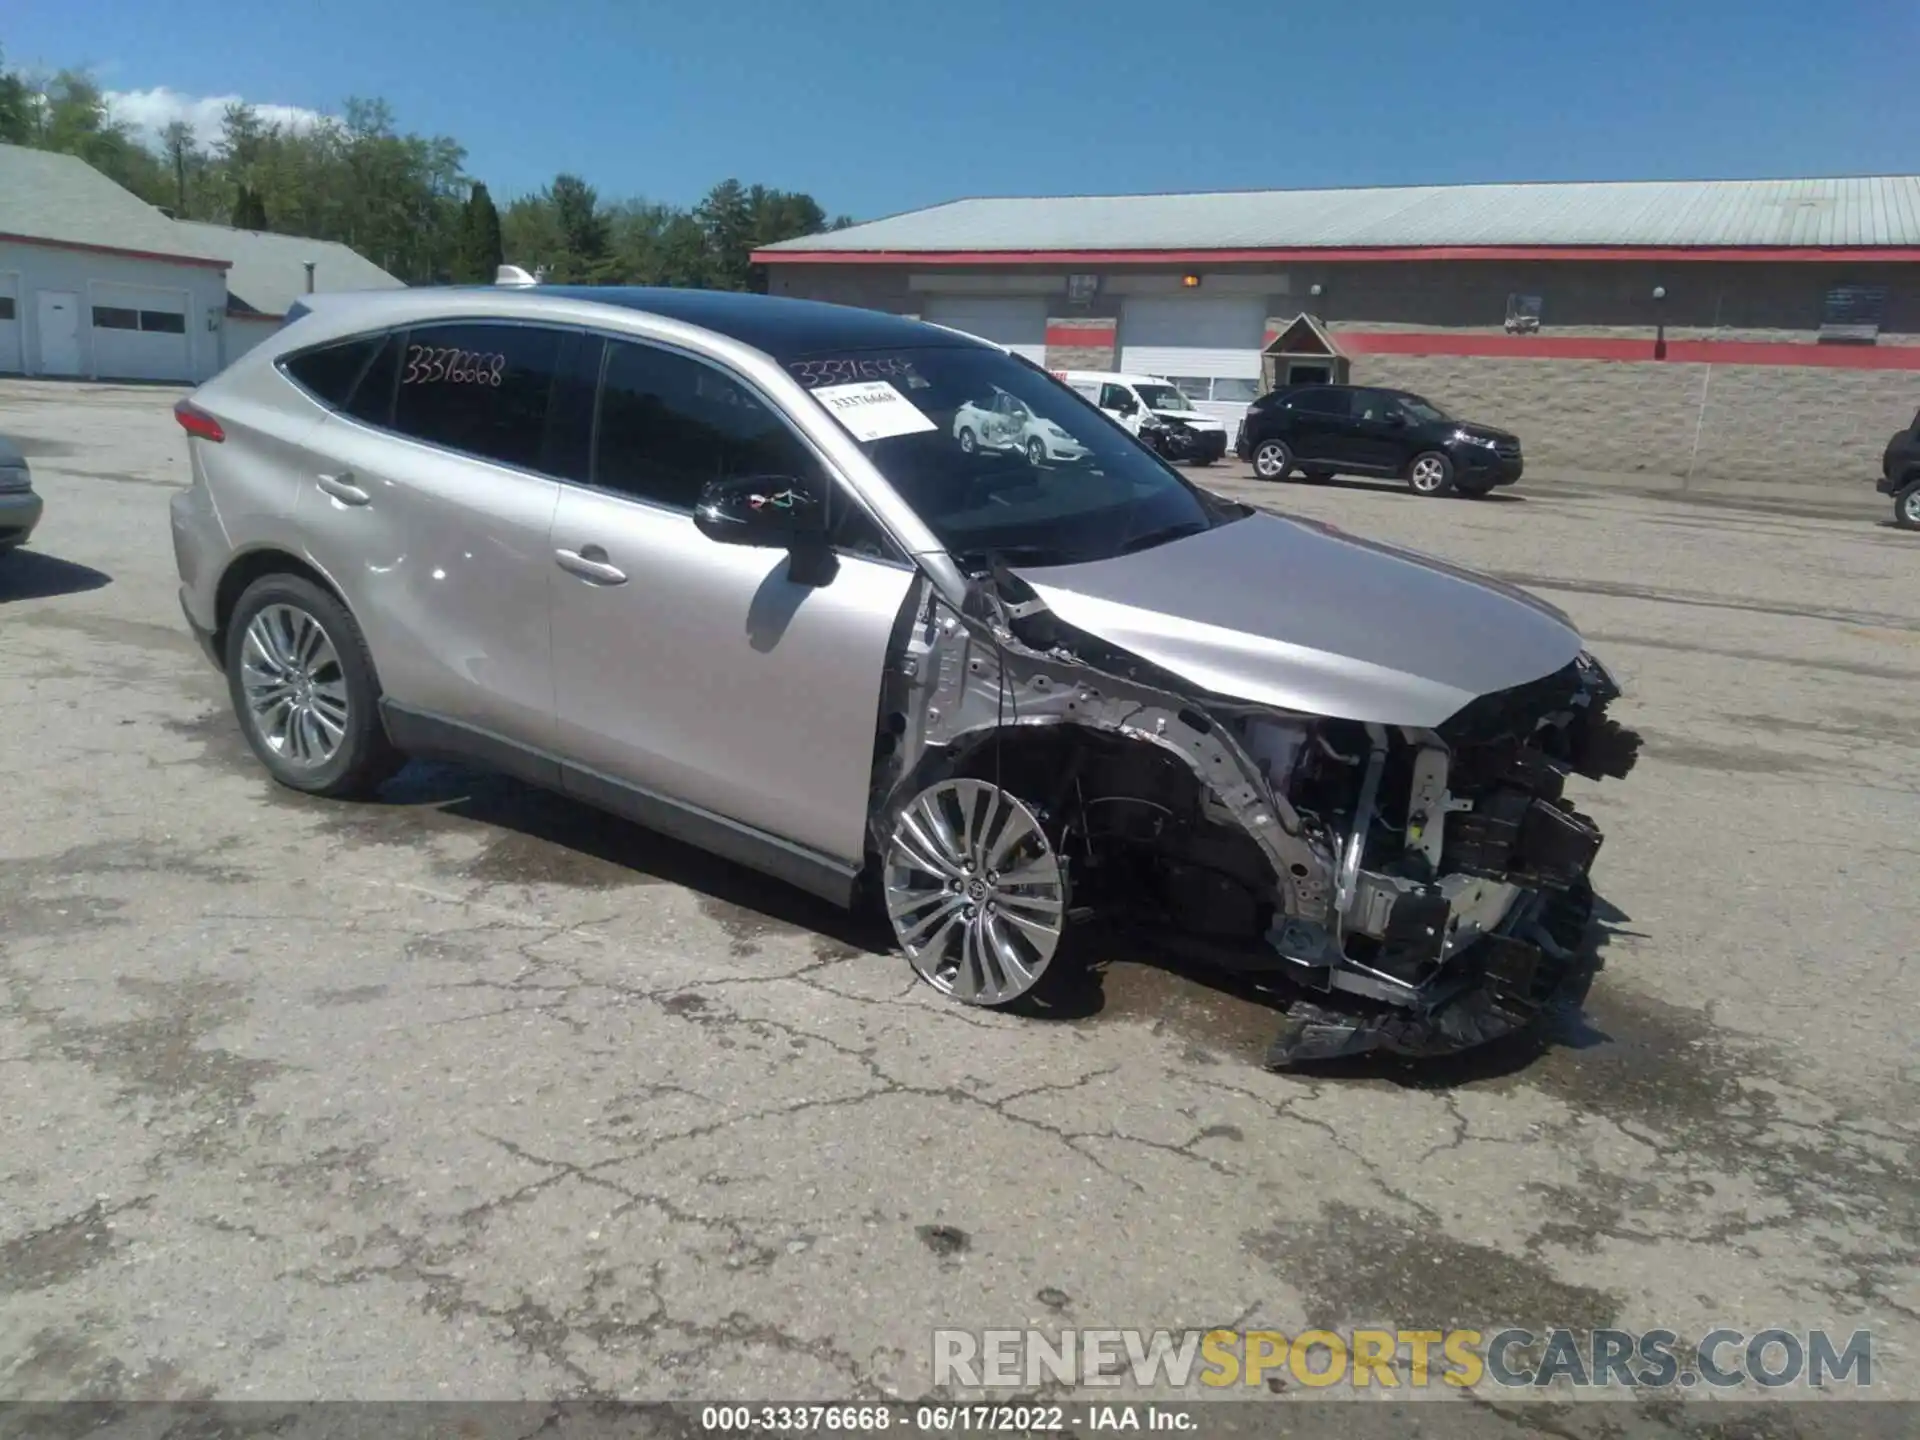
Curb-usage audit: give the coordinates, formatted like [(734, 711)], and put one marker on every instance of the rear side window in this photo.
[(478, 388), (330, 373)]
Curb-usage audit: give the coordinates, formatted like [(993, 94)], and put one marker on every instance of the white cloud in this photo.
[(149, 112)]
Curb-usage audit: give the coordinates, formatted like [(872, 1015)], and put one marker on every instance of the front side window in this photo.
[(668, 424), (1324, 402), (478, 388), (1421, 411), (1165, 397), (1115, 397), (1073, 487)]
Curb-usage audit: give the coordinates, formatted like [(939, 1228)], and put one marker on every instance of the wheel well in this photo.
[(252, 566)]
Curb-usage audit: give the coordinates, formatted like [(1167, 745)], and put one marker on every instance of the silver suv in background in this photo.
[(19, 507), (724, 564)]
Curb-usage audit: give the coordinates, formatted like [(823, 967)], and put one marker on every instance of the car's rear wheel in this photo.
[(967, 441), (304, 689), (1431, 473), (975, 890), (1906, 507), (1036, 452), (1272, 460)]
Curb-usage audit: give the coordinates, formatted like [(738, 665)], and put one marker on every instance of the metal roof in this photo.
[(1867, 210), (270, 271), (61, 199)]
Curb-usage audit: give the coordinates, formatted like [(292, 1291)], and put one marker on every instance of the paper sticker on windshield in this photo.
[(873, 410)]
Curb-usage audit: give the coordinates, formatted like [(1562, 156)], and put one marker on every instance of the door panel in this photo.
[(709, 677), (57, 315), (446, 564), (1373, 441)]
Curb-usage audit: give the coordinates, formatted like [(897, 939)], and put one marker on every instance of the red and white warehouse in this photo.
[(1766, 330)]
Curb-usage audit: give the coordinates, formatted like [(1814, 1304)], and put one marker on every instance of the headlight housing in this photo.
[(1465, 439)]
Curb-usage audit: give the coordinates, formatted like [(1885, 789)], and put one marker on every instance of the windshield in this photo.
[(1422, 410), (1163, 397), (998, 458)]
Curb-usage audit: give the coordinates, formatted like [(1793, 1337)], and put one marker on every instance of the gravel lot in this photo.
[(475, 1093)]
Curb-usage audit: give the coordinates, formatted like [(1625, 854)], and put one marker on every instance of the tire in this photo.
[(968, 442), (1430, 473), (288, 637), (1036, 452), (1906, 506), (1272, 460)]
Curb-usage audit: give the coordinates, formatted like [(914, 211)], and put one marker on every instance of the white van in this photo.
[(1132, 399)]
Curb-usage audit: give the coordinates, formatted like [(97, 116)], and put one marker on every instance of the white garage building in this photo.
[(97, 284)]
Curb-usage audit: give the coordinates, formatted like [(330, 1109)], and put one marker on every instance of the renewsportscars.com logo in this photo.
[(1220, 1360)]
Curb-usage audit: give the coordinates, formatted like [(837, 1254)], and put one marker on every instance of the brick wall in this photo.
[(1753, 422)]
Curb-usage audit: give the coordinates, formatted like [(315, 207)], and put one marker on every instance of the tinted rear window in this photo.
[(330, 373)]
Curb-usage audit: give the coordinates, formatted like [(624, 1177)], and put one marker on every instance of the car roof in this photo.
[(783, 327), (1122, 376)]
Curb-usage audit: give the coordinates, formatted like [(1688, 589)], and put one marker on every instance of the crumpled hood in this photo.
[(1298, 615), (1191, 417)]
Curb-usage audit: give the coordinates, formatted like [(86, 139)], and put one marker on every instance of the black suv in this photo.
[(1900, 476), (1323, 430)]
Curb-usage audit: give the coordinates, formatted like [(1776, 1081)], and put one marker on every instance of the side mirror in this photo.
[(776, 512)]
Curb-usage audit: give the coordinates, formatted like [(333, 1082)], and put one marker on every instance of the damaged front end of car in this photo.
[(1418, 890)]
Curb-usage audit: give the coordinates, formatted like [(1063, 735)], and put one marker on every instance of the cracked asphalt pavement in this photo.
[(473, 1093)]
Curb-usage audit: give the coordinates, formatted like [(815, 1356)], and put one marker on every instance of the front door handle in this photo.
[(589, 562), (342, 488)]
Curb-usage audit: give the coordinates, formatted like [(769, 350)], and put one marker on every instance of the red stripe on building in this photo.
[(1080, 334), (1582, 347), (1875, 254)]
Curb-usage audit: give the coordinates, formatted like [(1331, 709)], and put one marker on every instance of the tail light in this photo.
[(196, 421)]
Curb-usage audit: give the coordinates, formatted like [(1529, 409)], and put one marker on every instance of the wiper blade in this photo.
[(1160, 537)]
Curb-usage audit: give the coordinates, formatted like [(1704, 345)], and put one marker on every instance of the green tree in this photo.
[(584, 232), (481, 250), (178, 143), (18, 104)]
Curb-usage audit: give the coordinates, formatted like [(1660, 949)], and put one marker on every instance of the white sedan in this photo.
[(1005, 423)]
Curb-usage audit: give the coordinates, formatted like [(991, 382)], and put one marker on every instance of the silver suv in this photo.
[(718, 563)]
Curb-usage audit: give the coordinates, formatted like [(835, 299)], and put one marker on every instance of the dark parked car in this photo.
[(1900, 476), (19, 506), (1323, 430)]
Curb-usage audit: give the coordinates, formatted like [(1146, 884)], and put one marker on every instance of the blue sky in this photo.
[(880, 107)]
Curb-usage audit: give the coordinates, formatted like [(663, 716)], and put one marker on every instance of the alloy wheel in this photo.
[(1429, 474), (1036, 452), (295, 688), (1910, 505), (975, 891), (1270, 461)]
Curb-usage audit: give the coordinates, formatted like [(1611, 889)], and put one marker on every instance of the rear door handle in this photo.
[(341, 488), (589, 562)]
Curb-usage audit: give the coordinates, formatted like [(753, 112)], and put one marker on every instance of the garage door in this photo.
[(1208, 345), (140, 333), (1018, 322), (12, 332)]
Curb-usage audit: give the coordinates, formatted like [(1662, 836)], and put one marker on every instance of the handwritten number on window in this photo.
[(815, 373), (427, 365)]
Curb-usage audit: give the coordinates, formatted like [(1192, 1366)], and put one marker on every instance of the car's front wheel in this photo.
[(1272, 460), (304, 689), (1036, 452), (975, 890), (1906, 507), (1431, 473), (968, 442)]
